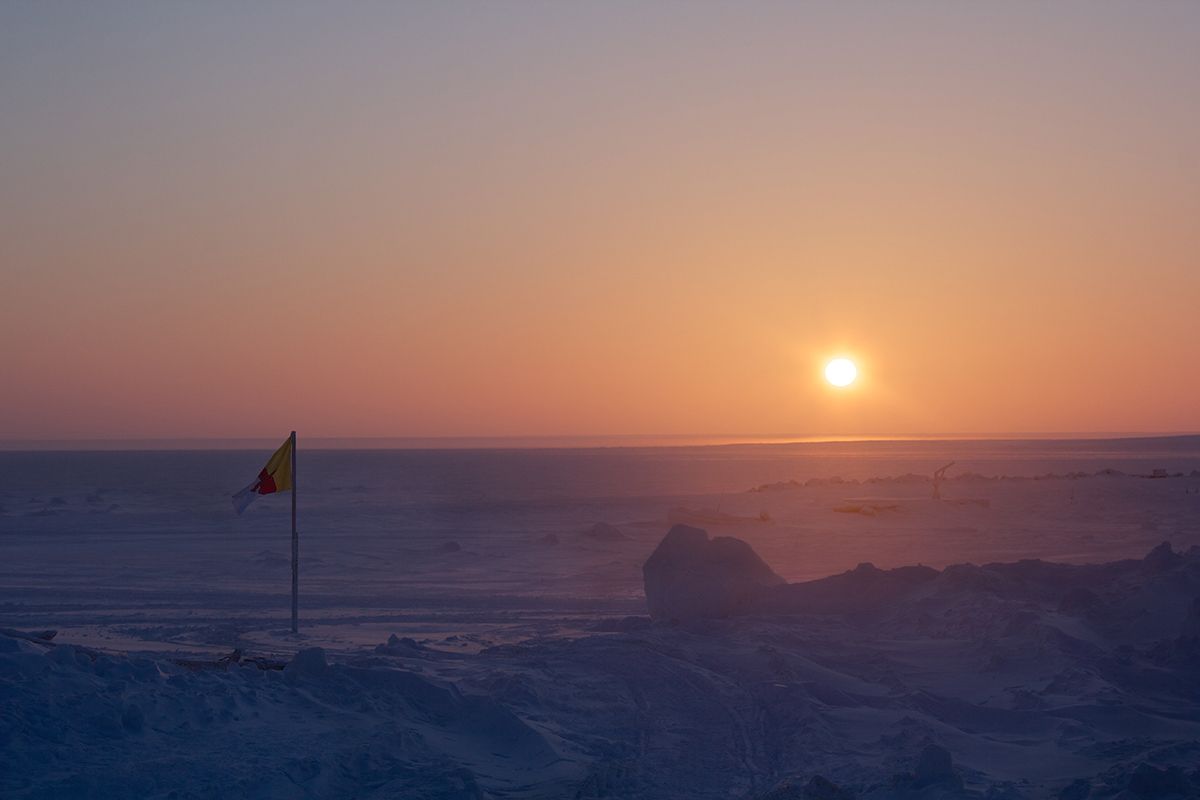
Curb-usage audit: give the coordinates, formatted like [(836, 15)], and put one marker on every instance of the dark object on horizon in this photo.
[(603, 532), (867, 509), (549, 538), (449, 547), (1159, 473), (939, 475)]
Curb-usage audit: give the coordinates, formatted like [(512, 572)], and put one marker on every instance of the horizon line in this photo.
[(554, 441)]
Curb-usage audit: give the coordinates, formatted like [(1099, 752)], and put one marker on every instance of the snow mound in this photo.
[(689, 575), (308, 663), (863, 589), (76, 723), (400, 646)]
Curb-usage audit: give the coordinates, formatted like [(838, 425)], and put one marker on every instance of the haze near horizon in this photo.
[(614, 219)]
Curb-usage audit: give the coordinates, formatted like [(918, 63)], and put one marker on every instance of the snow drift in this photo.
[(1017, 680)]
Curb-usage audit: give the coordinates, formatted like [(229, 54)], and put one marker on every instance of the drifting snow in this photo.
[(1027, 679), (524, 664)]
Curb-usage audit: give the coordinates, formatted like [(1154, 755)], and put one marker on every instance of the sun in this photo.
[(841, 372)]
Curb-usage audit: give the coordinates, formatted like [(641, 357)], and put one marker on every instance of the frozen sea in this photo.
[(142, 549), (483, 629)]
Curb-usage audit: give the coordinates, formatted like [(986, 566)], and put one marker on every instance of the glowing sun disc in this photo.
[(841, 372)]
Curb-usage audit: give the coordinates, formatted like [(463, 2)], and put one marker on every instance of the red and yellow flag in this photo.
[(276, 476)]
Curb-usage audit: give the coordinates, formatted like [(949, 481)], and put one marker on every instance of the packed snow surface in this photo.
[(1028, 635)]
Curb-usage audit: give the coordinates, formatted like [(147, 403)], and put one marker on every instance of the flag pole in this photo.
[(295, 548)]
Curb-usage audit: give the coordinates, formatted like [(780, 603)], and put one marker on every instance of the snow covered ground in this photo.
[(482, 637)]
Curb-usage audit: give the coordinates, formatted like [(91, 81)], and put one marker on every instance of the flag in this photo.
[(276, 476)]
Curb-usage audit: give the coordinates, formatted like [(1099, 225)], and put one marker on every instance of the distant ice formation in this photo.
[(690, 575)]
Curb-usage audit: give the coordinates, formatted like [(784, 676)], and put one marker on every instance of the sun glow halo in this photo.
[(841, 372)]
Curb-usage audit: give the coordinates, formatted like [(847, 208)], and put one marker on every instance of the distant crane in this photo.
[(939, 475)]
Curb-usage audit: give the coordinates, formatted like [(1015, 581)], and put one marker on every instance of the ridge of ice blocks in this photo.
[(1010, 681), (690, 576)]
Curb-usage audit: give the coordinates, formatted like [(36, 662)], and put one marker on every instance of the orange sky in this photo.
[(539, 219)]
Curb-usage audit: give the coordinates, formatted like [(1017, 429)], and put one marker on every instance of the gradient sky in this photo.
[(442, 219)]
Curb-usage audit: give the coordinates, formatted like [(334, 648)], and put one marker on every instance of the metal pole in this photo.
[(295, 548)]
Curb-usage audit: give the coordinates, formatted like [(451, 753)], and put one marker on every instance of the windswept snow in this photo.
[(1021, 637), (995, 680)]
